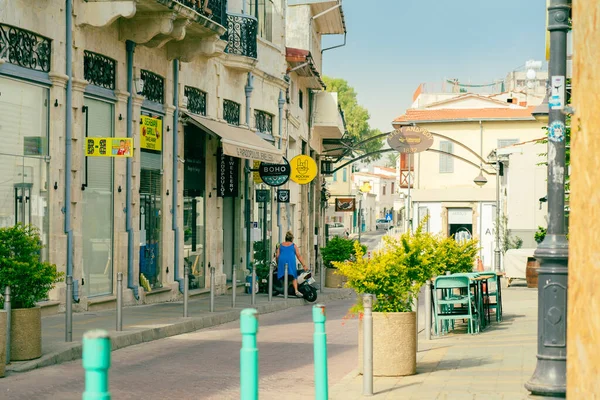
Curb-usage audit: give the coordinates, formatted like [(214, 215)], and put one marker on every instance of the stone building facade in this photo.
[(204, 89)]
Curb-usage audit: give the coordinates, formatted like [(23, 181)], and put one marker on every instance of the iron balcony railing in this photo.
[(216, 10), (241, 35)]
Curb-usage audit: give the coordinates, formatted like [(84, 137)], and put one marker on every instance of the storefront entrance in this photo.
[(194, 205), (24, 158), (151, 202), (97, 204)]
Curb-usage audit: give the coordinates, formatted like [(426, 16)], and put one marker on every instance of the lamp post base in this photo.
[(550, 376)]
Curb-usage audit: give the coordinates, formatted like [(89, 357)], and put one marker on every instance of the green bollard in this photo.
[(96, 362), (249, 355), (320, 337)]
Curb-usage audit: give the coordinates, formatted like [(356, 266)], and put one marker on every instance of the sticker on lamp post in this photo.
[(556, 131)]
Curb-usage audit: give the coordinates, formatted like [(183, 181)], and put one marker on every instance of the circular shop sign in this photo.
[(410, 139), (274, 174), (304, 169)]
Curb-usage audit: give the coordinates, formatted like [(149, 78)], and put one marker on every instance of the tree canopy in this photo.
[(357, 117)]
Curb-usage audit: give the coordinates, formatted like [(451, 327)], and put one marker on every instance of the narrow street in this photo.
[(205, 364)]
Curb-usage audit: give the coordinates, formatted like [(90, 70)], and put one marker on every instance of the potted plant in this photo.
[(395, 275), (337, 249), (30, 280)]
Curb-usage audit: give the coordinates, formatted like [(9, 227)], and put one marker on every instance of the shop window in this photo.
[(24, 161)]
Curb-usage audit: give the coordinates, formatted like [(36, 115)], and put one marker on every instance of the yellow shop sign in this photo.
[(108, 147), (151, 133), (304, 169)]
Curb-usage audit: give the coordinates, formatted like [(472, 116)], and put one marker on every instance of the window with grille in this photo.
[(231, 112), (446, 161), (263, 122), (300, 99), (263, 11)]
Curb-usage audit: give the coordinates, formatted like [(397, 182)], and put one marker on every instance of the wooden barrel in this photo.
[(532, 272)]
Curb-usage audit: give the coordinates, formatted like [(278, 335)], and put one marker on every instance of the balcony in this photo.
[(188, 28), (329, 119), (241, 53)]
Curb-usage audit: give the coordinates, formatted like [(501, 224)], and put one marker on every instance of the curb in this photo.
[(119, 340)]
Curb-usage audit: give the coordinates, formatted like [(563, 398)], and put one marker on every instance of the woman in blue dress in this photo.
[(286, 254)]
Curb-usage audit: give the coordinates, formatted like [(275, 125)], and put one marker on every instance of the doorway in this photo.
[(460, 223)]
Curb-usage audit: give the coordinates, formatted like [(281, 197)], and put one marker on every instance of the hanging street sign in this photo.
[(274, 174), (345, 204), (283, 196), (108, 147), (410, 139), (263, 195), (227, 175), (304, 169)]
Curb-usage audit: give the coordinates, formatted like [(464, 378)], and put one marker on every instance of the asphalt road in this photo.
[(205, 364)]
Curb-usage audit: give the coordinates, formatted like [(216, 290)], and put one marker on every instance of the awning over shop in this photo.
[(239, 142)]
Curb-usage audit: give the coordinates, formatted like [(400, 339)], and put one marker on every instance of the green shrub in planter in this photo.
[(339, 249), (455, 257), (29, 278)]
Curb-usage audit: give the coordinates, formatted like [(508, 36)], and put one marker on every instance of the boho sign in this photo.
[(410, 139)]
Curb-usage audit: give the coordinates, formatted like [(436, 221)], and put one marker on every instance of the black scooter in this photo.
[(305, 285)]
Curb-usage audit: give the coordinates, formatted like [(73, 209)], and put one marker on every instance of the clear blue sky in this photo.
[(394, 45)]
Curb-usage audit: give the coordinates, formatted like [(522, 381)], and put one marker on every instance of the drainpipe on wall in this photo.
[(280, 103), (68, 143), (130, 47), (248, 90), (175, 195)]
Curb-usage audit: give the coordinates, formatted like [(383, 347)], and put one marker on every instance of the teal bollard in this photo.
[(96, 362), (249, 355), (320, 338)]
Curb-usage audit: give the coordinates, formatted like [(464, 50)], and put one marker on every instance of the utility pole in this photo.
[(583, 366), (549, 378)]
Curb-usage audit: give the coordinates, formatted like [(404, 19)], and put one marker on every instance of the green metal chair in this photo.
[(445, 307)]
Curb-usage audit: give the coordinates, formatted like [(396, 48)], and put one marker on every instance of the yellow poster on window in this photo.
[(255, 174), (108, 147), (151, 133)]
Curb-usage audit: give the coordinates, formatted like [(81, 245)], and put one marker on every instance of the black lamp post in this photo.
[(549, 378)]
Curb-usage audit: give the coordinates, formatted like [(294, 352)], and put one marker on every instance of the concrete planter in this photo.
[(26, 334), (394, 344), (2, 343), (333, 279)]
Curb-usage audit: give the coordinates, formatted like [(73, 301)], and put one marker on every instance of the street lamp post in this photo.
[(549, 378), (497, 250)]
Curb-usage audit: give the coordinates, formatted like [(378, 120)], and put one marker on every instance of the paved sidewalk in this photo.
[(492, 365), (146, 323)]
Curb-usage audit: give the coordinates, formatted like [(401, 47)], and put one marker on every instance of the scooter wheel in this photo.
[(311, 295)]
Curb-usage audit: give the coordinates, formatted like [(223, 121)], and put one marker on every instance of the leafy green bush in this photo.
[(338, 249), (396, 273), (540, 234), (29, 278)]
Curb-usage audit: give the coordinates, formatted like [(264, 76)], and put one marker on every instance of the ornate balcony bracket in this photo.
[(178, 33), (239, 63), (192, 46), (104, 13), (146, 26)]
